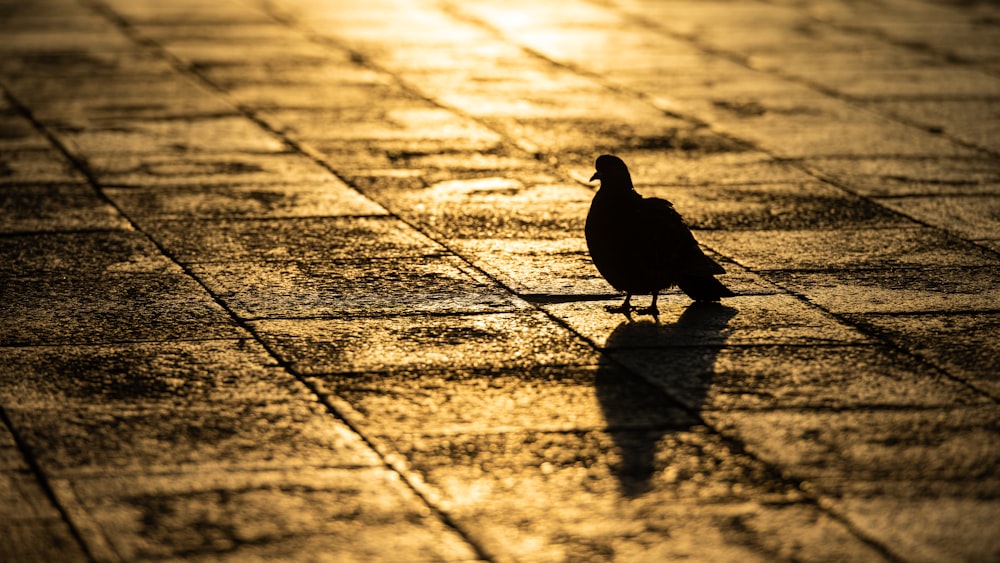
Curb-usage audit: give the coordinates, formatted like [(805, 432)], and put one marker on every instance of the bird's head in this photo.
[(612, 172)]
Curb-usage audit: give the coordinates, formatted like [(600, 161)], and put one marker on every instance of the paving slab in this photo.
[(516, 264), (207, 134), (971, 217), (717, 170), (432, 285), (459, 401), (757, 319), (886, 176), (68, 100), (308, 281), (40, 540), (897, 454), (897, 291), (368, 344), (111, 308), (151, 438), (493, 207), (89, 253), (972, 121), (27, 167), (847, 249), (774, 207), (774, 377), (181, 169), (252, 201), (922, 445), (319, 240), (618, 493), (355, 514), (56, 207), (962, 343), (178, 374)]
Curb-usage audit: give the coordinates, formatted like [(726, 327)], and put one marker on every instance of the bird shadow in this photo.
[(677, 361)]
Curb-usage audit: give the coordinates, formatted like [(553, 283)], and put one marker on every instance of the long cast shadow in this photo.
[(640, 412)]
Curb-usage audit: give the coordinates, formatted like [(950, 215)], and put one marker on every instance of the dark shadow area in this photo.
[(640, 417)]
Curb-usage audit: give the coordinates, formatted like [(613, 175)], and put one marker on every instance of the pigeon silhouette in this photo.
[(642, 246)]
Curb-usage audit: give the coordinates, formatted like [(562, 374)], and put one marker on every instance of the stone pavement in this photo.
[(306, 280)]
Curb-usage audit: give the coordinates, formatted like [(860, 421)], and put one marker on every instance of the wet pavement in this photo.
[(306, 281)]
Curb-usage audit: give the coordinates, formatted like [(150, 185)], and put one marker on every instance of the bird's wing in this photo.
[(672, 242)]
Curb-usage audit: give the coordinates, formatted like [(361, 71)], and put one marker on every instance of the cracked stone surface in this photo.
[(307, 281)]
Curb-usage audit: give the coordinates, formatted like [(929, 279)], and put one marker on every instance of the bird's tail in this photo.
[(704, 288)]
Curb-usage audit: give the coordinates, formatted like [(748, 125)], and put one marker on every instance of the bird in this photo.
[(641, 245)]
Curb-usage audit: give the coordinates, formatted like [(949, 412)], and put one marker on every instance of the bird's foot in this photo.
[(651, 311), (623, 309)]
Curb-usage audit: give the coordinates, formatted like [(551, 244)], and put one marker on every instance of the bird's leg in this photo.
[(651, 310), (625, 308)]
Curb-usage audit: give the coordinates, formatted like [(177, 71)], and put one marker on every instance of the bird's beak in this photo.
[(596, 176)]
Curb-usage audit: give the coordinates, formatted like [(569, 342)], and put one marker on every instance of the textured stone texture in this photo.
[(300, 280)]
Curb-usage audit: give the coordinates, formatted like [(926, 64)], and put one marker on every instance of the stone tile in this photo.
[(343, 514), (512, 340), (23, 167), (455, 402), (74, 100), (741, 168), (536, 267), (833, 68), (886, 176), (373, 286), (11, 459), (918, 481), (769, 377), (111, 308), (522, 95), (964, 345), (902, 446), (971, 217), (26, 208), (773, 207), (923, 81), (898, 290), (756, 320), (301, 93), (22, 498), (972, 120), (149, 439), (271, 44), (328, 199), (47, 40), (40, 540), (317, 240), (204, 169), (53, 16), (991, 244), (941, 528), (414, 126), (561, 270), (82, 253), (187, 12), (19, 134), (492, 207), (166, 374), (90, 63), (227, 134), (792, 129), (593, 136), (845, 249), (675, 494)]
